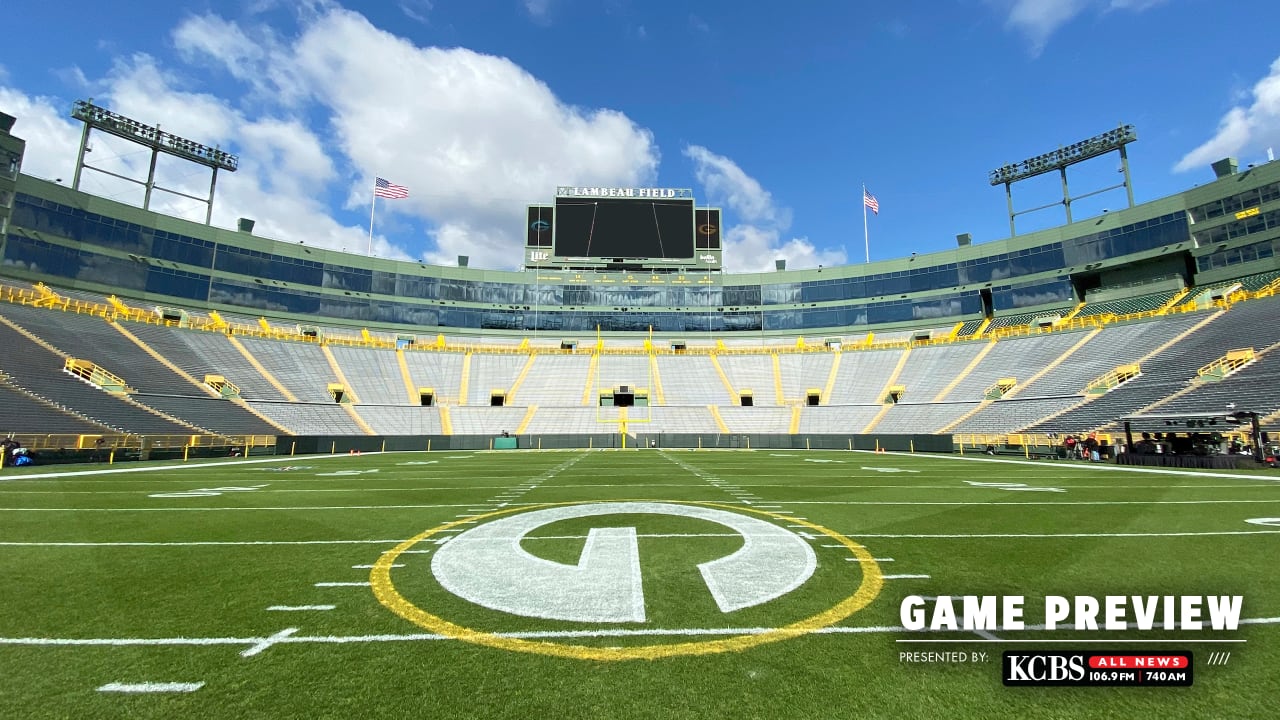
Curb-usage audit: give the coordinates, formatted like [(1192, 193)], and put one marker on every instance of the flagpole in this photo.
[(866, 238), (373, 204)]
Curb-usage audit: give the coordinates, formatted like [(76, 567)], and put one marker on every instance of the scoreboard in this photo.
[(631, 228)]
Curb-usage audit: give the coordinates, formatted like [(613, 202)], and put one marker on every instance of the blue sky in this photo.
[(776, 111)]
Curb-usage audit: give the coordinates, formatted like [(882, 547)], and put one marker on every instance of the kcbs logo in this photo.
[(1043, 668)]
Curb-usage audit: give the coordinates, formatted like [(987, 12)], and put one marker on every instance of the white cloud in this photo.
[(1134, 5), (1039, 19), (474, 136), (51, 138), (419, 10), (755, 243), (538, 9), (751, 248), (723, 179), (1243, 128)]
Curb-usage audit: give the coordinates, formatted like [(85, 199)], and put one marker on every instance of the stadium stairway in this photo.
[(692, 380), (890, 382), (657, 395), (514, 391), (285, 393)]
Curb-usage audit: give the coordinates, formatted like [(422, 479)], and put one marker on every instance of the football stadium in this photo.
[(251, 478)]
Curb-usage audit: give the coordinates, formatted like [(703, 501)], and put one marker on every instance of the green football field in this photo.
[(722, 584)]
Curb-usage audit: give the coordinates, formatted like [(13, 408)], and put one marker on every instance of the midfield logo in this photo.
[(488, 566)]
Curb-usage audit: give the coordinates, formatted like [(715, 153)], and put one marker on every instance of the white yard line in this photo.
[(913, 536), (905, 577), (151, 687), (300, 608), (276, 480), (268, 642), (855, 535), (286, 637), (903, 503), (341, 584)]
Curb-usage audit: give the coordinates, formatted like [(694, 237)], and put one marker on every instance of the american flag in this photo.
[(384, 189), (870, 201)]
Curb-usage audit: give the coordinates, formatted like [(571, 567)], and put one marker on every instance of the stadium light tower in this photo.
[(1060, 160), (102, 119)]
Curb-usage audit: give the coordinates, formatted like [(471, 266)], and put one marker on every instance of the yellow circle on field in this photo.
[(388, 595)]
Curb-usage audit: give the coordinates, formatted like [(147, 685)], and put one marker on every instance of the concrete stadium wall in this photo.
[(312, 444)]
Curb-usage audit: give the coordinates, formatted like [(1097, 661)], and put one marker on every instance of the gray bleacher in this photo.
[(691, 380), (586, 420), (310, 418), (553, 380), (92, 338), (1116, 345), (219, 353), (1026, 318), (440, 371), (1003, 416), (402, 419), (1254, 387), (469, 420), (1125, 306), (930, 369), (921, 418), (22, 413), (39, 372), (836, 418), (301, 367), (630, 370), (216, 414), (1018, 358), (862, 376), (757, 419), (495, 372), (678, 419), (804, 372), (1250, 323), (201, 353), (374, 375), (751, 372)]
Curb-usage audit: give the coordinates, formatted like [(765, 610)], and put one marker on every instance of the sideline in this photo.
[(1080, 466), (188, 466)]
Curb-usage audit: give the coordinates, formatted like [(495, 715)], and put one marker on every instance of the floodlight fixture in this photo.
[(1059, 160), (152, 137)]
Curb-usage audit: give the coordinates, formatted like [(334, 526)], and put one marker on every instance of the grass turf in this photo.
[(158, 557)]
